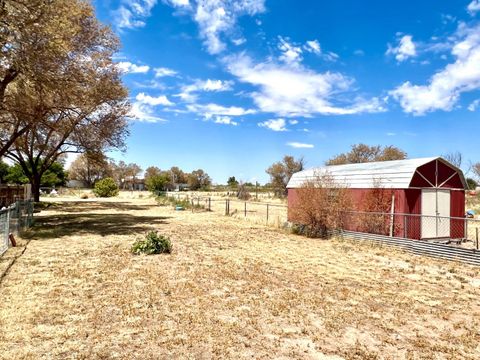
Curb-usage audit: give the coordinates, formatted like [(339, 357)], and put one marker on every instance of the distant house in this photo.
[(136, 184), (181, 187), (427, 193), (77, 184)]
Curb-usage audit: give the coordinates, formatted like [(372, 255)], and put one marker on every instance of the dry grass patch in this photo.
[(230, 289)]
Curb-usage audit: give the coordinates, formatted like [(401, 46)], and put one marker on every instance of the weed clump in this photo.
[(152, 244)]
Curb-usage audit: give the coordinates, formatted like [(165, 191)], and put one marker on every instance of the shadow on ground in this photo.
[(79, 206), (79, 218)]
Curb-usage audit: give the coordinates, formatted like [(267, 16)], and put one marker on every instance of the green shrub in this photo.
[(152, 244), (106, 188)]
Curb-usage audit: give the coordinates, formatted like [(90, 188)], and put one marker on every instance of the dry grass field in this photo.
[(230, 289)]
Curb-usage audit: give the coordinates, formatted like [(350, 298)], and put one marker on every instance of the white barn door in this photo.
[(436, 212)]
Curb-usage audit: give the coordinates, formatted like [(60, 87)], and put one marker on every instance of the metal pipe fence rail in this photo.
[(13, 220), (448, 238)]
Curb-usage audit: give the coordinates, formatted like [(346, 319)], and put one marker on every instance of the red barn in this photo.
[(428, 194)]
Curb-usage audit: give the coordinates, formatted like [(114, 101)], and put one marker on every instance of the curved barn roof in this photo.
[(395, 174)]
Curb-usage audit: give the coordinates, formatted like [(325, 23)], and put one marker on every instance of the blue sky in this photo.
[(232, 86)]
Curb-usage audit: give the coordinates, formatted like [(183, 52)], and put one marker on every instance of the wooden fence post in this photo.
[(245, 211), (267, 213), (476, 238)]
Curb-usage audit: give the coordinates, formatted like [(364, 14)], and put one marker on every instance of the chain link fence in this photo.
[(13, 220), (460, 230)]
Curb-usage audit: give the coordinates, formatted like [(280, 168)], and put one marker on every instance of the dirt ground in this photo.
[(230, 289)]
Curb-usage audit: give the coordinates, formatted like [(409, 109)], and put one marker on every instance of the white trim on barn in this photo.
[(396, 174)]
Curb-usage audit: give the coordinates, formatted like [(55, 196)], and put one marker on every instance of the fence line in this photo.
[(449, 238), (420, 247), (259, 212), (13, 220)]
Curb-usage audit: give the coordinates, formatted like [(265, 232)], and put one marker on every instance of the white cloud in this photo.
[(293, 122), (313, 46), (162, 72), (297, 91), (130, 68), (132, 14), (217, 18), (391, 134), (144, 113), (178, 3), (405, 49), (210, 110), (298, 145), (188, 91), (153, 101), (239, 41), (445, 87), (473, 7), (225, 120), (474, 105), (291, 54), (216, 85), (274, 124)]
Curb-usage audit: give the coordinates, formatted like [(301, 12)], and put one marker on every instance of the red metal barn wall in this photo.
[(457, 210), (407, 201), (354, 221)]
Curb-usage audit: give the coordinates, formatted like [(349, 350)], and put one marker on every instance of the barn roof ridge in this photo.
[(391, 174)]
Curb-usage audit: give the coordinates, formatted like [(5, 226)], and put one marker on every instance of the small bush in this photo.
[(152, 244), (243, 193), (319, 206), (106, 188)]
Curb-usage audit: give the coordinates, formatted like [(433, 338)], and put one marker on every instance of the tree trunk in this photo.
[(35, 181)]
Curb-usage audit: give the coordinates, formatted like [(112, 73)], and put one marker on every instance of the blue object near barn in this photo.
[(470, 214), (179, 208)]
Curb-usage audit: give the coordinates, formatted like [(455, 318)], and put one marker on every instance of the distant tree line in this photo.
[(162, 180)]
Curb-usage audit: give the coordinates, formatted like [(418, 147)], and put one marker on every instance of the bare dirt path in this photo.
[(229, 290)]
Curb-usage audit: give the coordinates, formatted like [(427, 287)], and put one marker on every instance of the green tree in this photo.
[(361, 153), (156, 183), (16, 175), (4, 167), (281, 172), (471, 183), (199, 180), (54, 176), (232, 182), (178, 176), (152, 171)]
